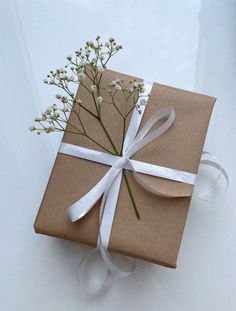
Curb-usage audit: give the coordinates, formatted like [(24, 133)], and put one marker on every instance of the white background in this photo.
[(189, 44)]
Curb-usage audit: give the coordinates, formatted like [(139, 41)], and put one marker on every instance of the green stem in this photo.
[(89, 111), (86, 135), (131, 195), (123, 139), (108, 136)]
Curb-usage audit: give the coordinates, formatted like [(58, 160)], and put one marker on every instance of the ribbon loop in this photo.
[(142, 139), (210, 160)]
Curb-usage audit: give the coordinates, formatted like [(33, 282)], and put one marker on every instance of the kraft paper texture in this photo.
[(156, 237)]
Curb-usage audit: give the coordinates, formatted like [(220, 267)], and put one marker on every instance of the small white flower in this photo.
[(32, 128), (118, 87), (81, 75), (142, 89), (82, 63), (99, 100), (49, 129), (118, 47), (87, 53), (37, 119), (64, 77), (100, 69), (48, 111), (143, 102), (93, 88), (113, 83), (101, 57), (64, 99)]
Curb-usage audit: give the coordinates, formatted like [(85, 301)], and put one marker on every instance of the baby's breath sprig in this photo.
[(87, 65)]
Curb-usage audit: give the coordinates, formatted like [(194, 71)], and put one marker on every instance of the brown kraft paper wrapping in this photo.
[(156, 237)]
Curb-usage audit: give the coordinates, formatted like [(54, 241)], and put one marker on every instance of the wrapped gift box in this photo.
[(156, 237)]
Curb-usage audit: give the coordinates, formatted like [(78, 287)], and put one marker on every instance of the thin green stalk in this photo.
[(89, 137), (89, 111), (123, 139), (131, 195), (108, 136)]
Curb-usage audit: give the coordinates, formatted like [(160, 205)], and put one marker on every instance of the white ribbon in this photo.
[(210, 160), (109, 185)]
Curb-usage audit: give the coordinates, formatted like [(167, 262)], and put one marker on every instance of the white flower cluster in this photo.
[(137, 87), (95, 54), (58, 75), (141, 102), (115, 84), (99, 100), (93, 88), (47, 119), (133, 88), (64, 99), (45, 129), (112, 45), (87, 63)]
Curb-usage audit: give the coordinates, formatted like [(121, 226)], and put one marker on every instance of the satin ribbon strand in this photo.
[(140, 167), (108, 279), (151, 189)]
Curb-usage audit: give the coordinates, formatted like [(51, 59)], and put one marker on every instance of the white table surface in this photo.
[(188, 44)]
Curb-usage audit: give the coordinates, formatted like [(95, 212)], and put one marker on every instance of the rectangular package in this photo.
[(156, 237)]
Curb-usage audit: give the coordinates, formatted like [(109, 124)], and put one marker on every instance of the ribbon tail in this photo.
[(212, 161), (107, 212), (84, 205)]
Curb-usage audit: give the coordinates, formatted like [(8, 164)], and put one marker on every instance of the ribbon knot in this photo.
[(120, 164)]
